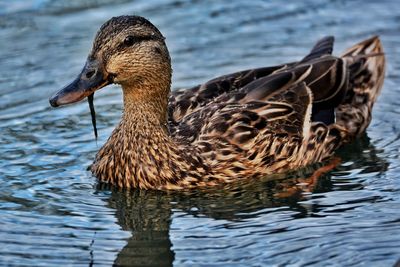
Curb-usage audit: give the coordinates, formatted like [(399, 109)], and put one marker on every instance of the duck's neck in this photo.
[(143, 127), (140, 152), (144, 109)]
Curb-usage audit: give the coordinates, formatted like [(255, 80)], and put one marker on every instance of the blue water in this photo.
[(53, 212)]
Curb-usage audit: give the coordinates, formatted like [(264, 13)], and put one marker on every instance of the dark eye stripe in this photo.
[(131, 40)]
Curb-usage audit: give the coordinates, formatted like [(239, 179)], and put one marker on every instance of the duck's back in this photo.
[(264, 120)]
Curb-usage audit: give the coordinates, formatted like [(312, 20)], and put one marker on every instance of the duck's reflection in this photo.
[(147, 214)]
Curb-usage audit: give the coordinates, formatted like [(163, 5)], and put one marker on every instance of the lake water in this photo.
[(53, 212)]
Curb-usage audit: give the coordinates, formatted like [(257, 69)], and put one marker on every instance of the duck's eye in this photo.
[(129, 40)]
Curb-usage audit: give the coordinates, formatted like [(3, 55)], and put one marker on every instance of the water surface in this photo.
[(53, 212)]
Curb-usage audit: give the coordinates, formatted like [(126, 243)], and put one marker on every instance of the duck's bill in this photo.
[(91, 78)]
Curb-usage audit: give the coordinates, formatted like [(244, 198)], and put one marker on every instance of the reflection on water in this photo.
[(148, 216), (53, 212)]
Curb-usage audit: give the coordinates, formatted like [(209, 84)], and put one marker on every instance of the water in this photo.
[(53, 212)]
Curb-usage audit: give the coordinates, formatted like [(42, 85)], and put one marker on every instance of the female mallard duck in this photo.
[(242, 125)]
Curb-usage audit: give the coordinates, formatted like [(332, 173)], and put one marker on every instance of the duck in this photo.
[(244, 125)]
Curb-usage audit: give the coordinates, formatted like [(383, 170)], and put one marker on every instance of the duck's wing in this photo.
[(278, 104), (185, 101), (257, 132), (267, 125), (277, 101)]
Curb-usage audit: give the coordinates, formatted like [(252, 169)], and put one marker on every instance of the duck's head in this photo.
[(127, 50)]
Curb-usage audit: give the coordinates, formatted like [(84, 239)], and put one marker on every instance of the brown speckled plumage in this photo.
[(239, 126)]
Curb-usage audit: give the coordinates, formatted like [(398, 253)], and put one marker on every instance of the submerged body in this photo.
[(243, 125)]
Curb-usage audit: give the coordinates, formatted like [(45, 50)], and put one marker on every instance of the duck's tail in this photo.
[(366, 62)]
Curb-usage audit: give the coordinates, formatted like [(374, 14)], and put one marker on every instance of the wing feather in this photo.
[(323, 47), (185, 101), (279, 99)]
